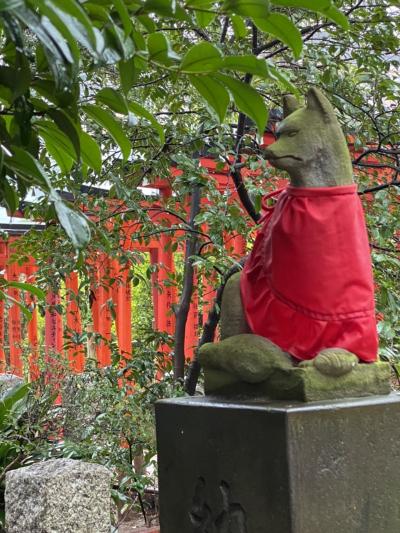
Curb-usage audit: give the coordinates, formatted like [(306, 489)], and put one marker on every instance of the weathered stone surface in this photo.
[(318, 155), (233, 321), (7, 382), (58, 496), (334, 362), (304, 383), (250, 358), (279, 467)]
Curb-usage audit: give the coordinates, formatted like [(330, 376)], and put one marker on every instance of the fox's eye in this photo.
[(292, 133)]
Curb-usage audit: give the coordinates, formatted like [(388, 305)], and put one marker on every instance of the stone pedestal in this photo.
[(58, 496), (279, 467)]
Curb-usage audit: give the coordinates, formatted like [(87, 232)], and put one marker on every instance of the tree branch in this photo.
[(182, 311)]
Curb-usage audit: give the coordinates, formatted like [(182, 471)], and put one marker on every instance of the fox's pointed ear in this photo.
[(290, 104), (316, 101)]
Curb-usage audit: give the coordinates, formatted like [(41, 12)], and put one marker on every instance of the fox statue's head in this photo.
[(311, 146)]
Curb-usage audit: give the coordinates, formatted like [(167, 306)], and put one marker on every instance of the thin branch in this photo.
[(394, 183), (224, 30), (235, 169)]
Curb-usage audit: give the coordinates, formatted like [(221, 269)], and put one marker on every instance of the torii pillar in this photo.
[(14, 321), (76, 353)]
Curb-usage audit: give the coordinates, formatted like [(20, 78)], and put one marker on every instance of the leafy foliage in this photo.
[(48, 45)]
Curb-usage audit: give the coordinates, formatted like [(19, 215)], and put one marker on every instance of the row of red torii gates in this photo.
[(57, 328)]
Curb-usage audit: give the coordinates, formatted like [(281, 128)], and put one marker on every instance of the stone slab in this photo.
[(304, 384), (58, 496), (279, 467)]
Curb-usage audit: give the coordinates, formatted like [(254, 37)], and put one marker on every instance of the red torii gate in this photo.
[(119, 294)]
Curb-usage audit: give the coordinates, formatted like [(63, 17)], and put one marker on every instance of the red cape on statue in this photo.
[(307, 284)]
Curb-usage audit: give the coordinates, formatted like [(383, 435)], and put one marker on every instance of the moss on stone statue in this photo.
[(304, 383), (311, 146), (233, 321), (249, 357)]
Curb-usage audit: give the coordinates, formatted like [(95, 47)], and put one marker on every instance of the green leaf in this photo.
[(50, 11), (58, 144), (75, 224), (333, 13), (6, 5), (283, 28), (9, 194), (247, 8), (117, 44), (113, 99), (313, 5), (26, 166), (17, 79), (204, 19), (199, 4), (128, 74), (57, 51), (28, 288), (22, 307), (140, 111), (202, 57), (10, 398), (123, 13), (166, 8), (51, 38), (247, 100), (54, 148), (91, 154), (76, 10), (239, 27), (48, 89), (160, 49), (114, 128), (325, 7), (147, 22), (247, 64), (67, 126), (76, 30), (215, 95), (280, 77)]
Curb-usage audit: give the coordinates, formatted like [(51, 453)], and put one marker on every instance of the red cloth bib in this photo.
[(307, 284)]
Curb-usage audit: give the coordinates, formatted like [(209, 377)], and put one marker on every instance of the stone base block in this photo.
[(58, 496), (305, 384), (279, 467)]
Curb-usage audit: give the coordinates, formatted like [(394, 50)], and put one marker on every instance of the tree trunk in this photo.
[(187, 289)]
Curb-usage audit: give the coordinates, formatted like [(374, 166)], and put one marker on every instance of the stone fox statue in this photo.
[(306, 295)]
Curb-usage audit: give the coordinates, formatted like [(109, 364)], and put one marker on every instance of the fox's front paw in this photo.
[(249, 357), (333, 362)]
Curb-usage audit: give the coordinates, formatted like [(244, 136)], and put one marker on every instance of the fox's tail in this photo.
[(209, 329)]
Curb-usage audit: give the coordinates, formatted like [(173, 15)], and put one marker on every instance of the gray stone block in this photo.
[(58, 496), (279, 467), (8, 382)]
